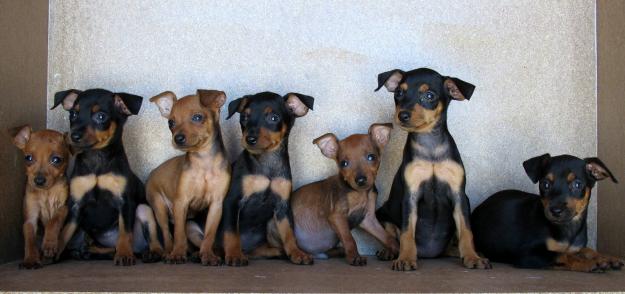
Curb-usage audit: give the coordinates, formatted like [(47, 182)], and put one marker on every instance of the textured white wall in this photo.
[(533, 63)]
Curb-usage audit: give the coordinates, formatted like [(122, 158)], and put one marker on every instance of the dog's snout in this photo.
[(252, 140), (556, 211), (404, 116), (180, 139), (76, 136), (361, 180), (40, 180)]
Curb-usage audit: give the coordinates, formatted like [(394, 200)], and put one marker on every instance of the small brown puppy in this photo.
[(325, 211), (189, 183), (46, 154)]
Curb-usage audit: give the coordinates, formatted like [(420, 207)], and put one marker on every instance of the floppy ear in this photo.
[(298, 104), (534, 166), (328, 144), (165, 101), (597, 170), (458, 89), (380, 134), (212, 99), (128, 104), (20, 135), (237, 105), (390, 79), (67, 97)]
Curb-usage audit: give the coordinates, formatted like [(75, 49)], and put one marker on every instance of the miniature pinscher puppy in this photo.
[(546, 230), (427, 201), (257, 217), (105, 195), (189, 183), (326, 211), (46, 155)]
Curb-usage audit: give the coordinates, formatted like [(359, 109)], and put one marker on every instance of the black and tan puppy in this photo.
[(105, 195), (46, 155), (324, 212), (546, 230), (189, 183), (257, 217), (427, 201)]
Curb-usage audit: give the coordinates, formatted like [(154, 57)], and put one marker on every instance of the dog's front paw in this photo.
[(209, 258), (237, 259), (151, 256), (50, 248), (609, 262), (357, 260), (31, 263), (476, 262), (386, 254), (404, 264), (176, 257), (300, 257), (124, 258)]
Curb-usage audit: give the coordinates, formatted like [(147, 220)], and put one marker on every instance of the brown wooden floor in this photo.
[(442, 275)]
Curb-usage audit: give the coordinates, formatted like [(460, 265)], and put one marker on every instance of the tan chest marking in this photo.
[(419, 171), (79, 186), (254, 184), (561, 247), (112, 183), (282, 187)]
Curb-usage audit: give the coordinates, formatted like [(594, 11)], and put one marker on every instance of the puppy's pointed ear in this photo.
[(328, 144), (458, 89), (597, 170), (380, 134), (237, 105), (20, 135), (67, 97), (128, 104), (212, 99), (534, 167), (165, 102), (298, 104), (390, 79)]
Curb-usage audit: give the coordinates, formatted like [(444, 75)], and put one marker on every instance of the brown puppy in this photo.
[(325, 211), (192, 182), (46, 154)]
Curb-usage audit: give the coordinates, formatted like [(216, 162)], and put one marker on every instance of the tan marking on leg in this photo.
[(266, 251), (466, 247), (161, 213), (232, 246), (407, 259), (282, 187), (124, 254), (579, 205), (112, 183), (450, 172), (213, 218), (296, 255), (254, 184), (68, 231), (79, 186)]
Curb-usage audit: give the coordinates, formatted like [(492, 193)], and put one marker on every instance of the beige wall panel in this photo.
[(611, 122), (533, 63), (23, 39)]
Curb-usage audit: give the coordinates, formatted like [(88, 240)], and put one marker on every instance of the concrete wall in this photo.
[(24, 39), (533, 63), (611, 107)]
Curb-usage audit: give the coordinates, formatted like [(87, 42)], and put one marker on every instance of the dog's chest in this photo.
[(357, 207), (98, 186), (50, 201), (419, 172), (258, 184), (205, 180)]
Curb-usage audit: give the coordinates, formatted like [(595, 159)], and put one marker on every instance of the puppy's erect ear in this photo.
[(380, 134), (328, 144), (212, 99), (597, 170), (298, 104), (458, 89), (20, 135), (128, 104), (534, 166), (67, 97), (390, 79), (165, 101), (237, 105)]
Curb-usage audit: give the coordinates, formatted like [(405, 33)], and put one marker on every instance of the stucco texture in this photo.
[(533, 63)]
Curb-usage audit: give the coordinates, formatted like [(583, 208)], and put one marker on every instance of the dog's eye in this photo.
[(197, 117), (100, 117), (428, 96), (55, 160), (274, 118), (28, 158), (344, 163), (73, 115), (371, 157), (171, 124), (577, 184), (546, 185)]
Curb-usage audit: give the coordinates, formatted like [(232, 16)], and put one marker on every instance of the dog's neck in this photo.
[(273, 163), (214, 145), (435, 144), (99, 160)]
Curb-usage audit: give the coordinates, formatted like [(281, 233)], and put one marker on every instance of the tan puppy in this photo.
[(46, 154), (325, 211), (192, 182)]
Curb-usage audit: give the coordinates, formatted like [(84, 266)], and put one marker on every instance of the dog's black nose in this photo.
[(40, 180), (361, 181), (252, 140), (76, 136), (556, 211), (404, 116), (180, 139)]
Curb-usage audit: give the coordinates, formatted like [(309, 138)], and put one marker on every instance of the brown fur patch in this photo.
[(254, 184), (579, 205), (404, 86), (103, 138), (424, 88), (282, 187), (112, 183), (79, 186), (417, 172), (451, 172), (561, 247), (422, 120), (551, 177)]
